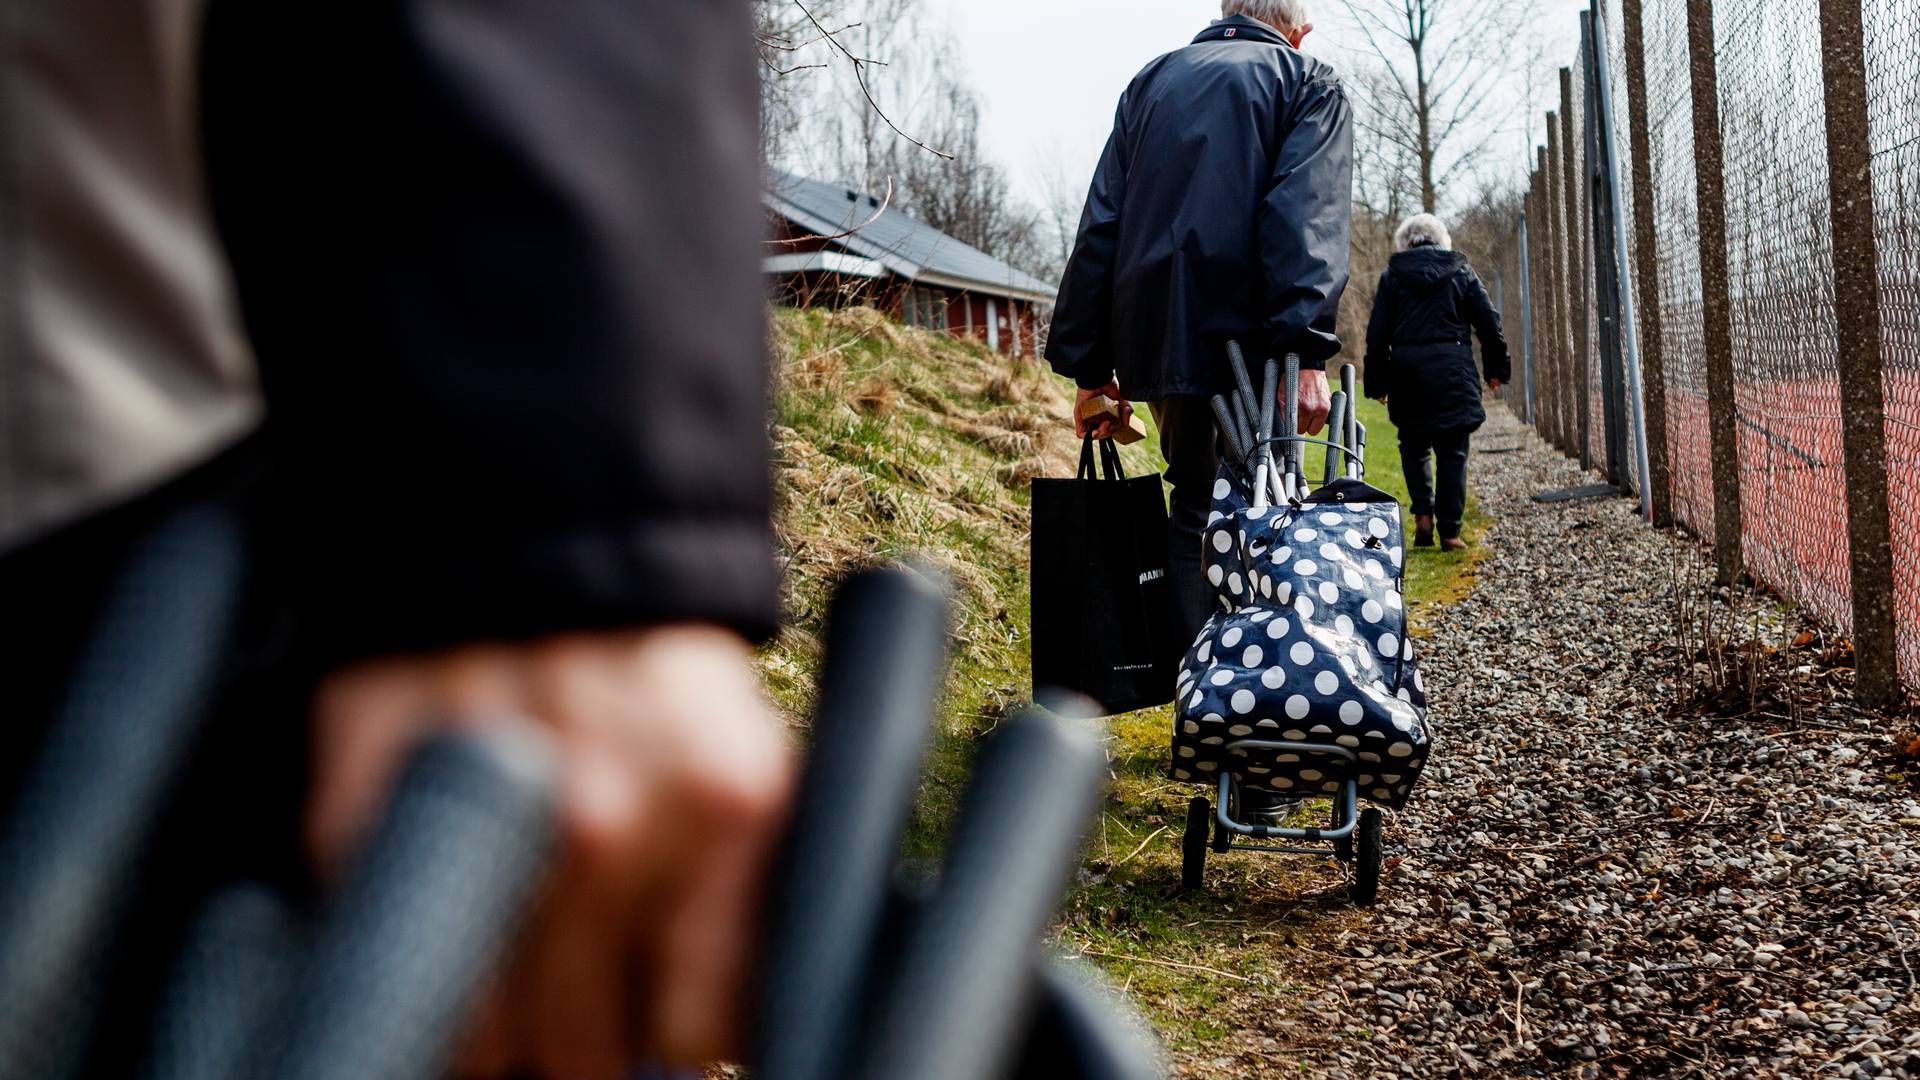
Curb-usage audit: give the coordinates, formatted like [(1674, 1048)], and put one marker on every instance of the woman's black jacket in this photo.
[(1418, 353)]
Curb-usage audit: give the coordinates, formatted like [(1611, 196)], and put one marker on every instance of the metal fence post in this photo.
[(1716, 305), (1576, 368), (1653, 357), (1632, 430), (1856, 287)]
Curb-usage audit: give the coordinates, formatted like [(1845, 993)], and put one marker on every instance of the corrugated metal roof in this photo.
[(905, 246)]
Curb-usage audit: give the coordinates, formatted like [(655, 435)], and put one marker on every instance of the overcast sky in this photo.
[(1051, 71)]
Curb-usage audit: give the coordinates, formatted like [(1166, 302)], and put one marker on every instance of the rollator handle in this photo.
[(388, 982), (886, 654), (118, 744), (953, 1009)]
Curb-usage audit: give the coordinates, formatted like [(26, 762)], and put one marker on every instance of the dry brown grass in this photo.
[(892, 442), (876, 397)]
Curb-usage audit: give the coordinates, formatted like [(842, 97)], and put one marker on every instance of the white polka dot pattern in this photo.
[(1310, 638)]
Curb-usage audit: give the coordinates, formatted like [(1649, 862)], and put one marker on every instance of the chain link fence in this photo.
[(1892, 33), (1780, 264), (1676, 261), (1705, 192)]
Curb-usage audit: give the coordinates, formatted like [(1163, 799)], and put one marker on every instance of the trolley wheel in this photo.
[(1193, 846), (1366, 868)]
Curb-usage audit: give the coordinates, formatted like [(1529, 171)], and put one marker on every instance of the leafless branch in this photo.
[(786, 44), (860, 77)]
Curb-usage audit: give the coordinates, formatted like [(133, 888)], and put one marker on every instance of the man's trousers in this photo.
[(1191, 446)]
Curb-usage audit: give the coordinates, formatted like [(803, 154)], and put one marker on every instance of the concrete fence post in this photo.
[(1553, 386), (1653, 356), (1542, 302), (1526, 313), (1541, 245), (1716, 305), (1571, 185), (1856, 287)]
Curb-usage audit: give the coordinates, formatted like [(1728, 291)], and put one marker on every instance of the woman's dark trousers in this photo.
[(1420, 451)]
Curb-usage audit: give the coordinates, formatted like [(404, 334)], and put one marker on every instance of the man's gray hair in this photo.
[(1422, 230), (1289, 13)]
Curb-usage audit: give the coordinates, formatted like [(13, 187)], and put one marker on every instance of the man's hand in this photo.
[(675, 782), (1315, 402), (1496, 384), (1105, 428)]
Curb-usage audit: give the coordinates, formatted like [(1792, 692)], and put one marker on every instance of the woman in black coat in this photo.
[(1420, 362)]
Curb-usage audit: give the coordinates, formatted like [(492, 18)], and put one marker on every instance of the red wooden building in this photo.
[(835, 247)]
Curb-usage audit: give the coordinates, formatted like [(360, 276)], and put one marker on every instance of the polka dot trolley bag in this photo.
[(1309, 645), (1303, 683)]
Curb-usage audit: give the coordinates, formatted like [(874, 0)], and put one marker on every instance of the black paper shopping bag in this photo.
[(1102, 605)]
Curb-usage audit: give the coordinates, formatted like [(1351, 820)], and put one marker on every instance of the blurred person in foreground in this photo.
[(1220, 211), (1420, 363), (461, 304)]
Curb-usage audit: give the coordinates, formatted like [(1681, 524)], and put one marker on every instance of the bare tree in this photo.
[(1063, 198), (871, 93), (967, 195), (843, 81), (1386, 174), (787, 43), (1440, 95)]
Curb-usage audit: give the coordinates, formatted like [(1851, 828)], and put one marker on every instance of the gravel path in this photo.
[(1596, 883)]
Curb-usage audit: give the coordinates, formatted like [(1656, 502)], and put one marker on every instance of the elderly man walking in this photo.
[(1220, 212)]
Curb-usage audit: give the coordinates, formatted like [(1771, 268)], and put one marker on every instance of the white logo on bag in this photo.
[(1152, 575)]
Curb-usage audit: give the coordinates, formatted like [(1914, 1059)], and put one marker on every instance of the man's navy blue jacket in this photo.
[(1221, 210)]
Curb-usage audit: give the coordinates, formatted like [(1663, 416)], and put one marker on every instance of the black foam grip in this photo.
[(431, 907), (885, 656), (1269, 387), (1248, 402), (231, 975), (1230, 431), (142, 687), (1336, 433), (965, 974)]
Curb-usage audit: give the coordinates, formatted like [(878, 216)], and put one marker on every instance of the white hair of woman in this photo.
[(1422, 230), (1284, 14)]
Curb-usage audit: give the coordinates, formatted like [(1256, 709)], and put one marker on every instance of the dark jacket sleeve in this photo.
[(1378, 369), (1305, 225), (1486, 324), (1078, 342), (500, 262)]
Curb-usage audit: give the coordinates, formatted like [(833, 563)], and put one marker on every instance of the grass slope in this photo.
[(891, 442)]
